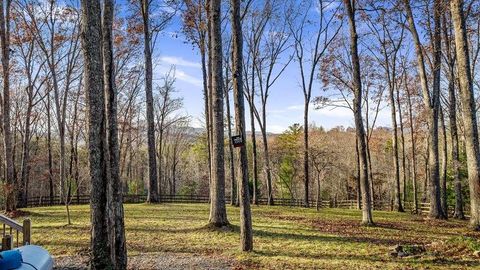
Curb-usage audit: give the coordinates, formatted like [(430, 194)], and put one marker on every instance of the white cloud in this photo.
[(181, 75), (178, 61), (334, 112), (164, 64), (295, 108)]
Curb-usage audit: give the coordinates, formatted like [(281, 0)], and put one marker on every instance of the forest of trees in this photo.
[(77, 119)]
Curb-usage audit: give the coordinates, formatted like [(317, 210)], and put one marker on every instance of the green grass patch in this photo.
[(284, 237)]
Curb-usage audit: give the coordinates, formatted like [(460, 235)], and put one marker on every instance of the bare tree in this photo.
[(32, 66), (443, 172), (267, 44), (151, 30), (468, 110), (91, 33), (195, 28), (252, 36), (308, 53), (390, 41), (218, 213), (412, 136), (153, 195), (450, 60), (167, 104), (246, 234), (360, 131), (115, 193), (431, 100), (59, 42), (5, 7)]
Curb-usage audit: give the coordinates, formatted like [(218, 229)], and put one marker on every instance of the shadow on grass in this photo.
[(370, 259), (153, 229), (329, 238)]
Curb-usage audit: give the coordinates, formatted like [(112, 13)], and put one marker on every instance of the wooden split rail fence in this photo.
[(346, 204)]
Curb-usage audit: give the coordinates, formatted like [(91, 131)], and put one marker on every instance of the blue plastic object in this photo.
[(10, 259)]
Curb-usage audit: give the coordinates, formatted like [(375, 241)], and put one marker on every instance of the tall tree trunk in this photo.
[(431, 103), (319, 202), (370, 174), (246, 234), (210, 85), (207, 107), (91, 35), (77, 173), (218, 213), (9, 187), (468, 110), (357, 175), (152, 163), (254, 141), (61, 133), (404, 156), (427, 177), (73, 144), (25, 169), (452, 115), (443, 173), (360, 131), (49, 149), (396, 164), (115, 196), (161, 166), (233, 183), (306, 169), (414, 154), (266, 166)]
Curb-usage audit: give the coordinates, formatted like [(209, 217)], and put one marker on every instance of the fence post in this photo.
[(27, 228), (7, 242)]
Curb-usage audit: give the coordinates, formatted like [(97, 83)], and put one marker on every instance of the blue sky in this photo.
[(285, 105)]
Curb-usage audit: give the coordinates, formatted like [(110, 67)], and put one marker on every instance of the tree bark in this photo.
[(218, 213), (414, 154), (370, 174), (91, 36), (367, 218), (266, 166), (452, 115), (25, 166), (443, 173), (246, 233), (404, 156), (357, 175), (396, 164), (207, 106), (115, 196), (233, 183), (319, 202), (431, 102), (468, 110), (49, 149), (254, 140), (152, 162), (7, 133), (306, 169)]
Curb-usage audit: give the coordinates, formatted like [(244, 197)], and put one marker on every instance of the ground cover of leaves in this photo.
[(174, 236)]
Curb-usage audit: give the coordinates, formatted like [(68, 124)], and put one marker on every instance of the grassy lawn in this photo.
[(284, 238)]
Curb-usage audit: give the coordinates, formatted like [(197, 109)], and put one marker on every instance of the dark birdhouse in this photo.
[(237, 141)]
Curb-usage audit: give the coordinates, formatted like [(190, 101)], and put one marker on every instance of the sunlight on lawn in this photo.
[(284, 238)]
